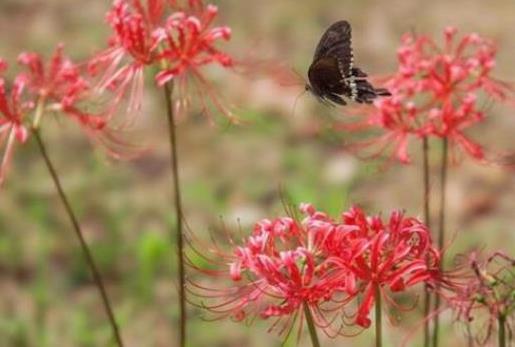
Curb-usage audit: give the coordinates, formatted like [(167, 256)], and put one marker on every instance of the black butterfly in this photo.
[(333, 74)]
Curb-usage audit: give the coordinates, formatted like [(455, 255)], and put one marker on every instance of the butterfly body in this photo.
[(332, 74)]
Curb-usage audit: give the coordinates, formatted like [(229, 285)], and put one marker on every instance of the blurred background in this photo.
[(229, 173)]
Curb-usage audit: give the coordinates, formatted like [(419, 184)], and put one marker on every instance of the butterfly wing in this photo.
[(325, 80), (336, 43)]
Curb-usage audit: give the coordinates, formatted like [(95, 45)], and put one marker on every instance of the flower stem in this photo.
[(470, 338), (427, 221), (76, 226), (441, 228), (425, 151), (502, 330), (378, 316), (168, 88), (311, 326)]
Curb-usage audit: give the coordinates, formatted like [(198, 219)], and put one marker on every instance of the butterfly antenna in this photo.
[(297, 98), (299, 75)]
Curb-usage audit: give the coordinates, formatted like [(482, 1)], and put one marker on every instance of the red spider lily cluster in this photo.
[(435, 93), (58, 87), (177, 45), (324, 264), (176, 39), (484, 293)]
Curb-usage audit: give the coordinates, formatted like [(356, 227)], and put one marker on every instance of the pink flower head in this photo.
[(323, 264), (12, 112), (435, 90), (485, 294)]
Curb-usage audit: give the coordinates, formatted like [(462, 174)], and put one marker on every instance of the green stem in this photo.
[(441, 228), (502, 330), (427, 221), (470, 337), (425, 151), (378, 316), (168, 88), (76, 227), (311, 326)]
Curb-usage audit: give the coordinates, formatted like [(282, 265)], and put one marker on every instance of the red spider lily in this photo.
[(56, 87), (12, 112), (323, 264), (133, 46), (279, 269), (177, 44), (190, 45), (396, 255), (61, 86), (484, 294), (434, 93)]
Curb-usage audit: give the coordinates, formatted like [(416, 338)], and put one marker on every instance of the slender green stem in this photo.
[(502, 330), (76, 227), (441, 228), (470, 337), (168, 88), (427, 321), (425, 152), (427, 221), (311, 326), (379, 324)]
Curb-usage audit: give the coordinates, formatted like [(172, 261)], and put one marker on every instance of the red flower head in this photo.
[(278, 271), (486, 294), (381, 256), (133, 46), (57, 87), (60, 86), (321, 264), (12, 112), (435, 91), (189, 45), (177, 45)]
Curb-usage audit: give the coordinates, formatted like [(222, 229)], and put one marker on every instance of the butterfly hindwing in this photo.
[(324, 72), (326, 80)]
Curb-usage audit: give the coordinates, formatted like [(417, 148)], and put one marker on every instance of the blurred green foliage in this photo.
[(239, 173)]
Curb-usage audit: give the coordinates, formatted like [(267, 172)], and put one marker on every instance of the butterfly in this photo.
[(332, 74)]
